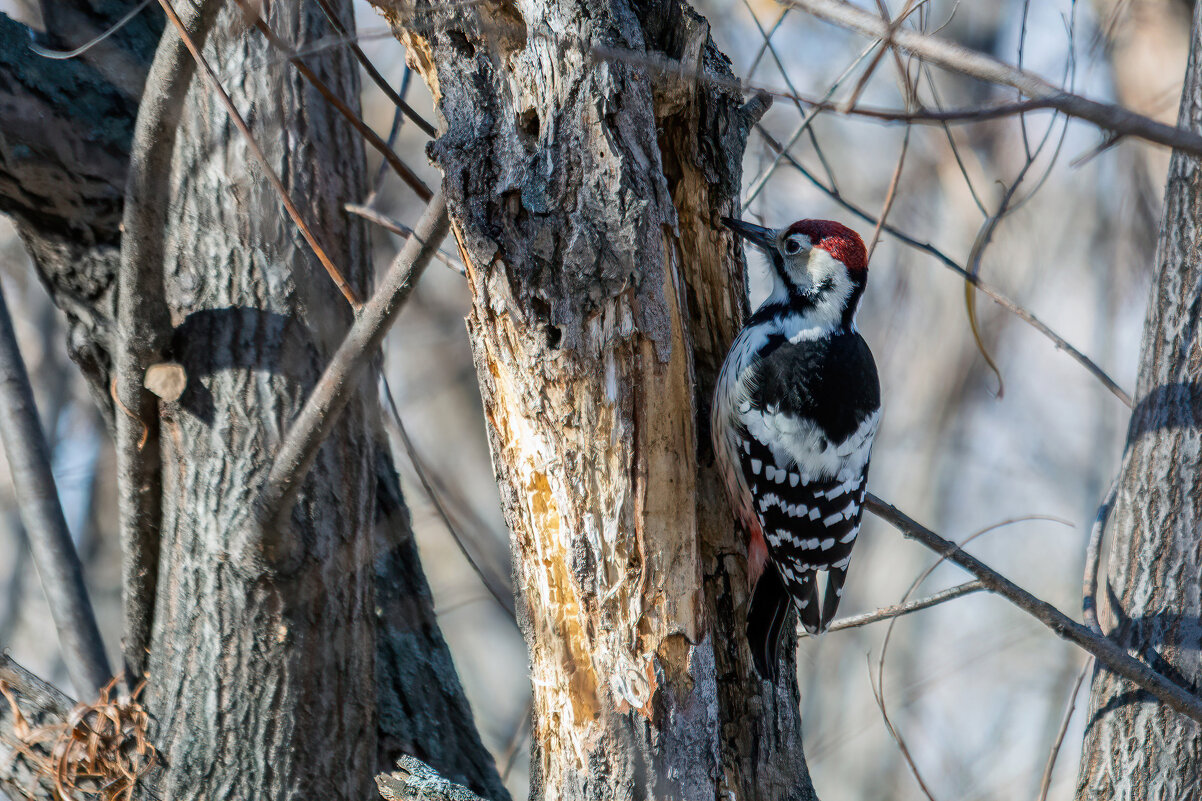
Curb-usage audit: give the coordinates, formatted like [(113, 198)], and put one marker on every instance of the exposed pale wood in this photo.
[(1151, 604), (585, 198), (167, 380)]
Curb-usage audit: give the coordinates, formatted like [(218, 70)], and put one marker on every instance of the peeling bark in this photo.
[(585, 195), (1136, 748)]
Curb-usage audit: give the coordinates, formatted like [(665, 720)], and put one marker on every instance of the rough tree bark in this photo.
[(585, 178), (1136, 748), (261, 685)]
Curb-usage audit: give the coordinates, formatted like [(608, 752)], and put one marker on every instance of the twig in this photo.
[(951, 264), (400, 229), (502, 594), (961, 59), (890, 195), (265, 543), (759, 54), (374, 73), (42, 514), (520, 734), (878, 689), (1104, 650), (989, 227), (951, 141), (371, 137), (762, 179), (63, 55), (1093, 559), (1117, 119), (830, 175), (144, 323), (253, 146), (898, 610), (1046, 783), (398, 119)]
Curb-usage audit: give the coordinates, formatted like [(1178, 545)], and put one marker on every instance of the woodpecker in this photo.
[(795, 411)]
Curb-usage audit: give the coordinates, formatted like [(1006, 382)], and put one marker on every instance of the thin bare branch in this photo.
[(898, 610), (373, 73), (265, 544), (780, 66), (1104, 650), (1046, 783), (398, 119), (878, 688), (951, 264), (989, 227), (951, 141), (500, 590), (890, 195), (42, 514), (957, 58), (144, 325), (762, 179), (63, 55), (252, 145), (521, 733), (400, 229), (1120, 121), (371, 137)]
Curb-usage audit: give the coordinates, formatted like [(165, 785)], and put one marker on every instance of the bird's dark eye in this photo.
[(792, 247)]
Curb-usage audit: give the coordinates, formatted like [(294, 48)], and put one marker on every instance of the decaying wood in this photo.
[(585, 196), (1135, 747)]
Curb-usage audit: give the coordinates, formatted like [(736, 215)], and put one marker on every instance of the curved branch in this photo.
[(144, 324), (1107, 652), (964, 61)]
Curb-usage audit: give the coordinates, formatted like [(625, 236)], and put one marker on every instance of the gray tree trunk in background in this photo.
[(585, 184), (1136, 748), (262, 686), (255, 320)]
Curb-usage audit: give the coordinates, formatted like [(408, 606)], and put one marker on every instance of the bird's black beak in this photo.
[(761, 237)]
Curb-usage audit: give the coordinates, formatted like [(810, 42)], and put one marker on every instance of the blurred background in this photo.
[(977, 688)]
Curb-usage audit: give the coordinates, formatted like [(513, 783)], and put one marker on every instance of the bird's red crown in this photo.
[(836, 239)]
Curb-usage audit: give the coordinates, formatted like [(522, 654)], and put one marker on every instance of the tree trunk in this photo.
[(239, 659), (585, 178), (1136, 748), (260, 686)]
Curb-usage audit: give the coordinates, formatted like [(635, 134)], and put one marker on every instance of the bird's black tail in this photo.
[(766, 616), (834, 593)]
